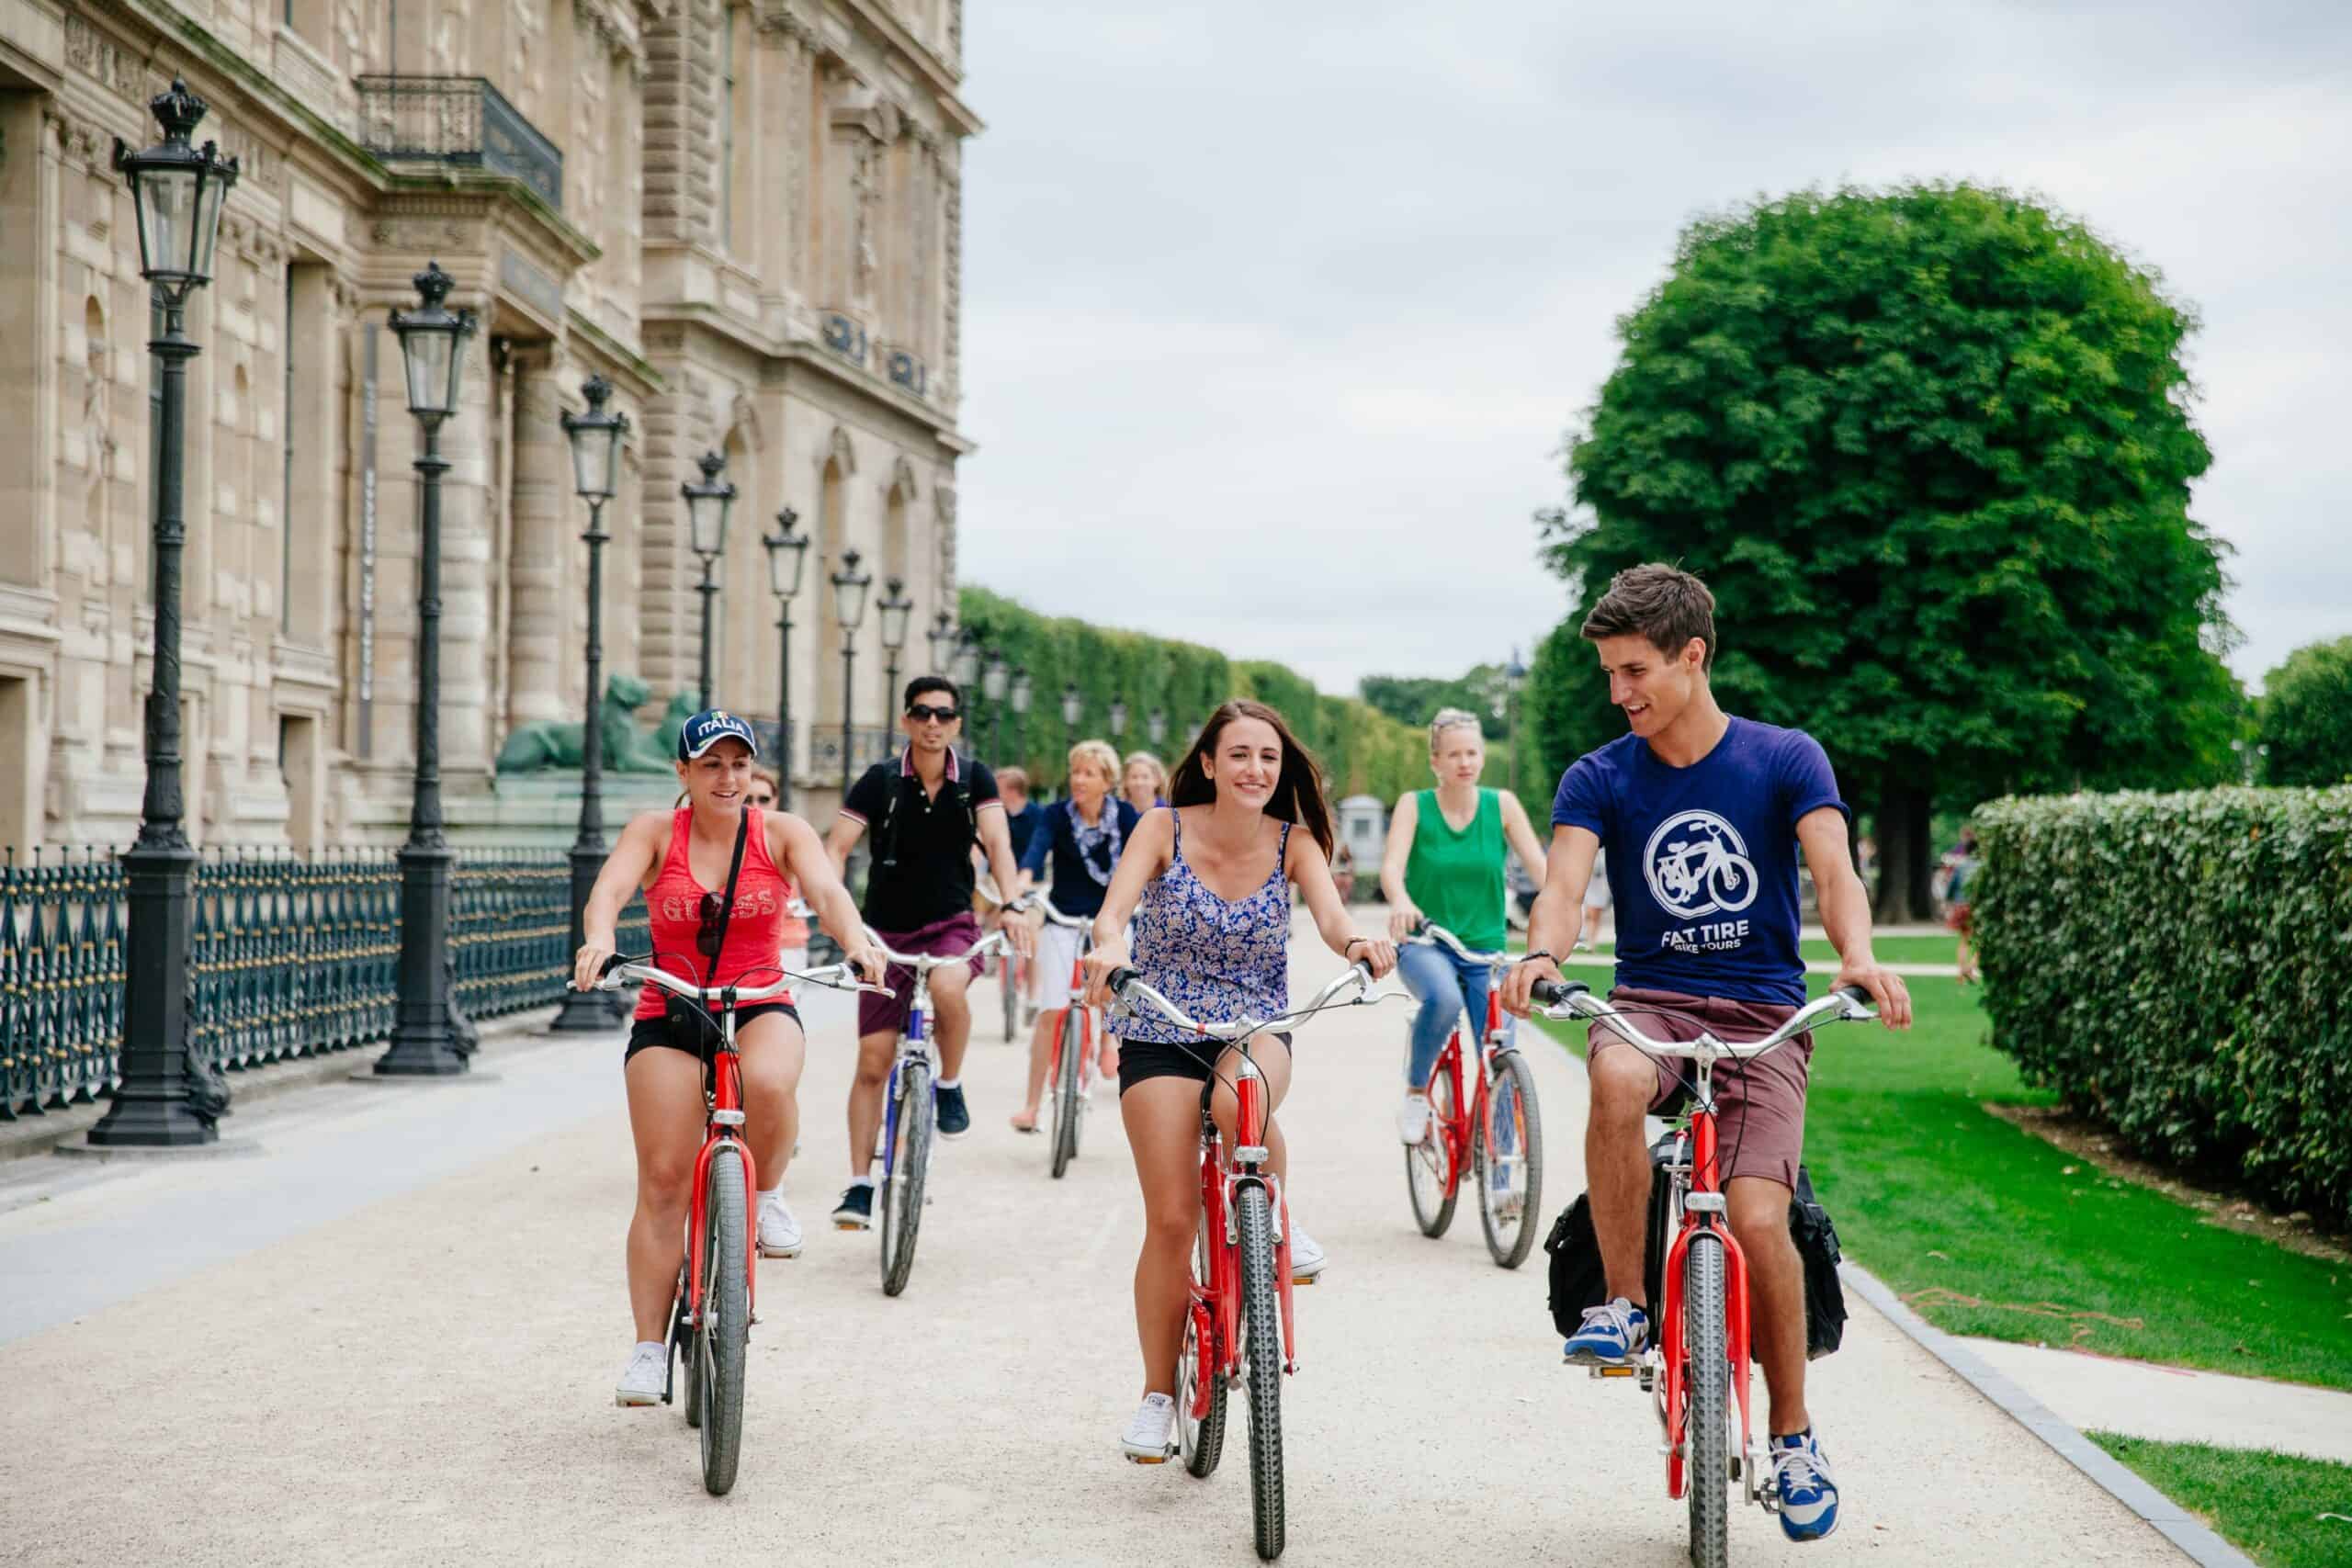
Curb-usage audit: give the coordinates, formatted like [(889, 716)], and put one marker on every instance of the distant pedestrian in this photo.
[(1144, 783), (1960, 863), (1596, 904)]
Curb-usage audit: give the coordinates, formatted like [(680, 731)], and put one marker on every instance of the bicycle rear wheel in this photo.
[(1262, 1328), (723, 1335), (1202, 1442), (1507, 1162), (1429, 1166), (1708, 1389), (1067, 1050), (902, 1189)]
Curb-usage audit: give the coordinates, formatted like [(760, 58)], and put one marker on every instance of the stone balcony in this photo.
[(458, 120)]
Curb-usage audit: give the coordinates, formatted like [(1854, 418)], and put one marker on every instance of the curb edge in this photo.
[(2169, 1519)]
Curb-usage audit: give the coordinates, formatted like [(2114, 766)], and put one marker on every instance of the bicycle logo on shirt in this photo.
[(1697, 865)]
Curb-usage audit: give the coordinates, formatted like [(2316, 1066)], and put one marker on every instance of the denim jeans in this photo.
[(1444, 986)]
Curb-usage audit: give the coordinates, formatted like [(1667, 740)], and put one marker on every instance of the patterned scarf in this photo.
[(1104, 832)]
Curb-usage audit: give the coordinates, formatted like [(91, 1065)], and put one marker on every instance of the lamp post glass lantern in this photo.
[(896, 607), (1019, 697), (1119, 717), (995, 675), (788, 560), (849, 609), (176, 191), (430, 1038), (966, 671), (595, 438), (1155, 727), (707, 505), (942, 637)]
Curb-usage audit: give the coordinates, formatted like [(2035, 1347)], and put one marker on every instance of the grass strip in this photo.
[(2267, 1504)]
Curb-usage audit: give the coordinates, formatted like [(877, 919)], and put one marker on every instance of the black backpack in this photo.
[(1579, 1282), (886, 832)]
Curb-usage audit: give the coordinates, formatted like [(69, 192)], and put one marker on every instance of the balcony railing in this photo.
[(869, 746), (458, 119)]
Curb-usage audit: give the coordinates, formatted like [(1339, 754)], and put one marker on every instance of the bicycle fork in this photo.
[(1252, 1116)]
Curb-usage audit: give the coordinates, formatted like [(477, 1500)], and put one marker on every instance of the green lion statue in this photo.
[(555, 747)]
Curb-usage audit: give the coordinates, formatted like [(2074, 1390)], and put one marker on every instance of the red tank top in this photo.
[(673, 910)]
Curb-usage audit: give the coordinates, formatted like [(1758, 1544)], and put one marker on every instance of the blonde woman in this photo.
[(1082, 837), (1444, 863), (1144, 782)]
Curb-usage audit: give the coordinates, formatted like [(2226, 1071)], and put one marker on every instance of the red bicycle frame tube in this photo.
[(1673, 1343), (1455, 1128), (1217, 1301), (1085, 1020), (728, 1095)]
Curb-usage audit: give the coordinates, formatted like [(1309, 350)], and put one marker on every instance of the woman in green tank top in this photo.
[(1444, 865)]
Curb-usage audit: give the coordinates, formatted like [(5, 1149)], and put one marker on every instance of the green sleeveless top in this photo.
[(1457, 878)]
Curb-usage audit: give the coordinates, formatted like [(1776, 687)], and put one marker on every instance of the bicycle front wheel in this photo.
[(902, 1189), (1428, 1164), (1070, 1046), (1202, 1442), (723, 1337), (1261, 1329), (1708, 1389), (1508, 1162), (1008, 970)]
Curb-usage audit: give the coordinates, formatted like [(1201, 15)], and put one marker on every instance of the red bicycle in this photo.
[(710, 1323), (1495, 1133), (1238, 1329), (1071, 1080), (1696, 1370)]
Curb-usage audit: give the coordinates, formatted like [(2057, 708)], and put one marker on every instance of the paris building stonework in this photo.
[(746, 217)]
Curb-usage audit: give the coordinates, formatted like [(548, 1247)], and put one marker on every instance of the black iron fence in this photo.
[(289, 957)]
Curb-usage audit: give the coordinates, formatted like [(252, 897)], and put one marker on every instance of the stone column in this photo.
[(542, 660), (466, 569)]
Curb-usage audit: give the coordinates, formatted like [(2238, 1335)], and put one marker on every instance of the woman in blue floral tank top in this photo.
[(1207, 880)]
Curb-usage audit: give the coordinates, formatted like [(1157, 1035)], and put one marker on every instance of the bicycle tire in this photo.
[(1429, 1176), (1066, 1098), (1510, 1237), (1261, 1326), (903, 1190), (1010, 972), (681, 1343), (1708, 1389), (1202, 1442), (725, 1331)]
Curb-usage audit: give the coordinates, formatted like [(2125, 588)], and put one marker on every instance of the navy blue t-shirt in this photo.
[(1703, 860)]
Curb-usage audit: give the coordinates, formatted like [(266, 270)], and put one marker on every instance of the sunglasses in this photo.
[(921, 712), (706, 935)]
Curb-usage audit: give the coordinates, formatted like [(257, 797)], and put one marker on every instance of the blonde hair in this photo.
[(1010, 778), (1454, 719), (1098, 755), (1159, 769)]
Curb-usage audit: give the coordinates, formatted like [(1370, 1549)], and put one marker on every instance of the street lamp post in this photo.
[(1118, 719), (964, 669), (1155, 726), (896, 608), (995, 676), (787, 559), (707, 507), (429, 1039), (595, 438), (942, 636), (176, 191), (849, 608), (1019, 696), (1514, 679), (1073, 709)]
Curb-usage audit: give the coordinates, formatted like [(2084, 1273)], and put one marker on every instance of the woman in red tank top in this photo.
[(678, 858)]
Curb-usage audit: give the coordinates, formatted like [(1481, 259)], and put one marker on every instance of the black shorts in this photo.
[(655, 1031), (1141, 1059)]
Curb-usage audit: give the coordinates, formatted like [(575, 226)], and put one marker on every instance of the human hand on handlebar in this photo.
[(1099, 963), (1377, 953), (1405, 921), (867, 960), (1519, 984), (588, 964), (1886, 987)]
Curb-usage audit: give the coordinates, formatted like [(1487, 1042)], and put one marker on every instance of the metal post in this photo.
[(709, 589), (429, 1039), (589, 1009), (784, 707), (849, 686), (889, 698), (154, 1107)]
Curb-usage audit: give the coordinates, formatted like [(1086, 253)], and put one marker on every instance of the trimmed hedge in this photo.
[(2175, 966)]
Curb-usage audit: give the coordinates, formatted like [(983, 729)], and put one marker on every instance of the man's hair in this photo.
[(1664, 604), (922, 684), (1010, 778)]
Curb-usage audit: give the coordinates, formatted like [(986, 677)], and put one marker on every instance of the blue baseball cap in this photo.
[(708, 729)]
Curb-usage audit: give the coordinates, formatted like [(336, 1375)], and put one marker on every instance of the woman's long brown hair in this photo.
[(1298, 789)]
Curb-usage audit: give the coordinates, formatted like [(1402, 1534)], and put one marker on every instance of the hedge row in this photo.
[(2175, 966)]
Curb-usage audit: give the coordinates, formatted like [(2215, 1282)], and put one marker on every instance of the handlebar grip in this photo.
[(612, 961), (1551, 993), (1116, 981), (1856, 995)]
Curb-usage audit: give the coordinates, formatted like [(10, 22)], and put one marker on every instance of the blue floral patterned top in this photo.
[(1216, 960)]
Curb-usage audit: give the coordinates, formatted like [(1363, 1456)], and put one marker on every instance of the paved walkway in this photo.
[(391, 1335), (2178, 1404)]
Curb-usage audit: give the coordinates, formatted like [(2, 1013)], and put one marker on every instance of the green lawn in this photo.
[(2267, 1504), (1985, 1229)]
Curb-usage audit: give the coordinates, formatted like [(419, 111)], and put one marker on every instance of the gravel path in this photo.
[(419, 1371)]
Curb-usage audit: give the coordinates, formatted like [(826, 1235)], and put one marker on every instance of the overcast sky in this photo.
[(1275, 310)]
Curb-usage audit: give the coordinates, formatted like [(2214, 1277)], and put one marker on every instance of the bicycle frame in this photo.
[(1455, 1127), (914, 1040), (1077, 1001), (1217, 1301)]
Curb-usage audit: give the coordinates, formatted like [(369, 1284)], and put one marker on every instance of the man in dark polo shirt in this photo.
[(926, 809)]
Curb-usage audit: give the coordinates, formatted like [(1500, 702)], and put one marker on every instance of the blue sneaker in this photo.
[(1612, 1335), (954, 1116), (1808, 1492)]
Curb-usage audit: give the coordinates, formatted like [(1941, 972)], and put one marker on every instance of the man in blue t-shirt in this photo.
[(1702, 816)]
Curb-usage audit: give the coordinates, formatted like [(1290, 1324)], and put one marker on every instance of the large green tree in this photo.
[(2307, 716), (1931, 450)]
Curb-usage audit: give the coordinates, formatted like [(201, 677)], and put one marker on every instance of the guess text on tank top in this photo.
[(750, 904)]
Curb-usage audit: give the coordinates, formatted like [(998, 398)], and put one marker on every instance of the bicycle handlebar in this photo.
[(924, 962), (618, 971), (1055, 917), (1130, 989), (1432, 934), (1574, 999)]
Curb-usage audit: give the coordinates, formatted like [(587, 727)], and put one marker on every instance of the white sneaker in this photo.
[(1151, 1436), (779, 1232), (1306, 1255), (1413, 1120), (646, 1375)]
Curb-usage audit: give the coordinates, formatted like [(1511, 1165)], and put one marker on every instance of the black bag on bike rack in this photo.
[(1825, 1295), (690, 1027)]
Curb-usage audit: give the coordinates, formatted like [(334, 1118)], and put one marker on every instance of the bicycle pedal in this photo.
[(1607, 1372)]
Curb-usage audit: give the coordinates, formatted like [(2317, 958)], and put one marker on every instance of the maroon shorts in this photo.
[(888, 1015), (1760, 1104)]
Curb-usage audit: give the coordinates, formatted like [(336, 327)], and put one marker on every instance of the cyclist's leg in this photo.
[(1272, 1057), (1625, 1086), (951, 1017), (1430, 975), (772, 1048), (665, 1116), (1163, 1119), (1759, 1208), (873, 1054), (1760, 1130), (1040, 1064)]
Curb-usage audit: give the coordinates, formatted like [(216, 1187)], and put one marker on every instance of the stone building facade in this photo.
[(743, 214)]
